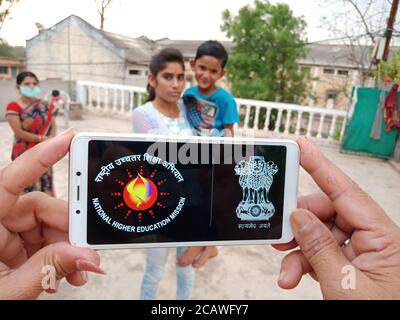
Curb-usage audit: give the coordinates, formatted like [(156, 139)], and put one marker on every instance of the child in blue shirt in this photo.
[(215, 107)]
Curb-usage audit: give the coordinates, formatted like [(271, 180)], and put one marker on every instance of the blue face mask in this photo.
[(29, 92)]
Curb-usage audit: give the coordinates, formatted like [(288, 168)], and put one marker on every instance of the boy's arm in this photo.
[(231, 116), (228, 130)]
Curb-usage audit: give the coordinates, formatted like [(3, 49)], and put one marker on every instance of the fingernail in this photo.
[(85, 265), (302, 139), (84, 275), (300, 219), (65, 132)]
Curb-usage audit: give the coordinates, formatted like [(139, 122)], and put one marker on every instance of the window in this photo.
[(331, 96), (329, 71), (3, 70), (344, 73), (134, 72)]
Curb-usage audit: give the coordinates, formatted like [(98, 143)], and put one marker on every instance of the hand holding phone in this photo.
[(130, 191)]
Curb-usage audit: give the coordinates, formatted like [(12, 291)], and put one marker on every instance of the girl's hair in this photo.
[(158, 63), (22, 75)]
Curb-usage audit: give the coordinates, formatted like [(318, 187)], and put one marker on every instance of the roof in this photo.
[(12, 60), (139, 50), (337, 55), (187, 47)]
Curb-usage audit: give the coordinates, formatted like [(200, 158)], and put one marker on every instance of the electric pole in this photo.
[(389, 29)]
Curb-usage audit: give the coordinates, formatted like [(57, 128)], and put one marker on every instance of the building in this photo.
[(10, 67), (75, 50), (334, 70)]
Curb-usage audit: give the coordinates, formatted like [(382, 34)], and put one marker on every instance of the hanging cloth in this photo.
[(391, 111), (376, 129), (353, 102)]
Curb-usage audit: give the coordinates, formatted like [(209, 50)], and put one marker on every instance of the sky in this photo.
[(175, 19)]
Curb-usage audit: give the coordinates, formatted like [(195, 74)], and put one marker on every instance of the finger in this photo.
[(53, 290), (28, 167), (321, 250), (33, 240), (189, 256), (12, 251), (286, 246), (78, 278), (4, 270), (35, 208), (208, 253), (293, 267), (339, 235), (372, 240), (348, 251), (322, 212), (40, 220), (51, 235), (319, 204), (47, 266), (354, 206)]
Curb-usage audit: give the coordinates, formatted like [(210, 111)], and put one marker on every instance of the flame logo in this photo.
[(140, 193)]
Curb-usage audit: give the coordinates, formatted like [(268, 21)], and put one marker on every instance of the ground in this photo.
[(239, 272)]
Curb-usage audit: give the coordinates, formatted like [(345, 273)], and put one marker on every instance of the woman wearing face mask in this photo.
[(32, 122)]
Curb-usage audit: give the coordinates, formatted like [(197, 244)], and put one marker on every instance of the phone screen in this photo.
[(142, 192)]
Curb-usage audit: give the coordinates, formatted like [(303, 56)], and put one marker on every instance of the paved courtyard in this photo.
[(239, 272)]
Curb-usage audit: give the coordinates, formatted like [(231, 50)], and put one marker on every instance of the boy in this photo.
[(209, 106), (59, 104)]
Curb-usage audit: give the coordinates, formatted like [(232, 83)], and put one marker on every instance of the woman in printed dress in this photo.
[(32, 121)]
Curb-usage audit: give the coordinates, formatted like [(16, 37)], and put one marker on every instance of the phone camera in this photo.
[(78, 211), (78, 173)]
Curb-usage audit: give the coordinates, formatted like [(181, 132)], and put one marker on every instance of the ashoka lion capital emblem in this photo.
[(256, 178)]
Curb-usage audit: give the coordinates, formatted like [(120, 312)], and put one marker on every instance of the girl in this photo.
[(162, 114), (32, 122)]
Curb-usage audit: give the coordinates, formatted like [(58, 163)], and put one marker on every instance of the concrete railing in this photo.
[(282, 118), (261, 118), (108, 99)]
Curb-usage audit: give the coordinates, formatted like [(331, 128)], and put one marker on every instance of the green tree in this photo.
[(268, 42), (9, 51), (390, 71)]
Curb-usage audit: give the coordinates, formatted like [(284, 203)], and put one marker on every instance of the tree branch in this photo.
[(364, 22), (5, 14)]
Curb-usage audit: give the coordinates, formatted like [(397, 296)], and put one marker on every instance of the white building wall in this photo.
[(71, 52)]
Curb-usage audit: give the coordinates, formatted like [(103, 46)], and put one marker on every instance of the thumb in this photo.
[(42, 271), (321, 250)]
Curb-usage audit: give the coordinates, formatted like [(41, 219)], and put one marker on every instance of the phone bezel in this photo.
[(79, 163)]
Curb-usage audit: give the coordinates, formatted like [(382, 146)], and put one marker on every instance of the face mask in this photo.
[(29, 92)]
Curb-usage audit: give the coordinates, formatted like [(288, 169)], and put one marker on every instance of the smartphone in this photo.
[(139, 191)]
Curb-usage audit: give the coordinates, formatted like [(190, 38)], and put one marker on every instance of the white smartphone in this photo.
[(138, 191)]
